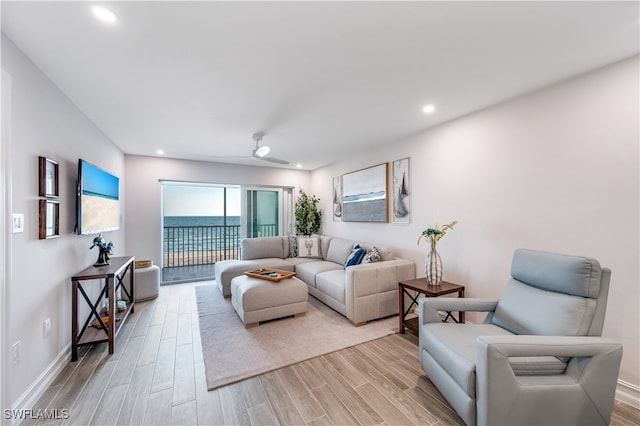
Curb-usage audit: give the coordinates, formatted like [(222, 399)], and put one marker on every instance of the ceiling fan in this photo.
[(262, 152)]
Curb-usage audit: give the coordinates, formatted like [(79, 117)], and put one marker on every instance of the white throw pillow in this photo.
[(308, 246)]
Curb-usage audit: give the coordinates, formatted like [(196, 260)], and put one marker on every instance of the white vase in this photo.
[(433, 268)]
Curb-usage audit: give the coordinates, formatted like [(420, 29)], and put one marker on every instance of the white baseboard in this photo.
[(628, 393), (29, 398)]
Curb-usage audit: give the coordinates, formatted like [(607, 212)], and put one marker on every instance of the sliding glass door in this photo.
[(262, 212)]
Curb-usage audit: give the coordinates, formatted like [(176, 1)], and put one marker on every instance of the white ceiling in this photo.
[(322, 79)]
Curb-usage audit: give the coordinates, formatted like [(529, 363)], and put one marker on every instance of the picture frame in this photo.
[(401, 191), (337, 199), (364, 195), (49, 220), (48, 172)]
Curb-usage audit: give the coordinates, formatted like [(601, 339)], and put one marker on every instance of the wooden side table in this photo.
[(420, 285), (113, 276)]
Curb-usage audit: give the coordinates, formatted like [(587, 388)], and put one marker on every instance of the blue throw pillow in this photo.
[(355, 257)]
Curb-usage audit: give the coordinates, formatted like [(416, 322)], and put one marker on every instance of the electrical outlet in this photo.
[(17, 350), (46, 327)]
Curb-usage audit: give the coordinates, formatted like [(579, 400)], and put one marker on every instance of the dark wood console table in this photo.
[(420, 286), (113, 276)]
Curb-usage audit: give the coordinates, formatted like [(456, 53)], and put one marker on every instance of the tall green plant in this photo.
[(308, 217)]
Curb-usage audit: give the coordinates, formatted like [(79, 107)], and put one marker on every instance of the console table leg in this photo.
[(112, 314), (74, 321)]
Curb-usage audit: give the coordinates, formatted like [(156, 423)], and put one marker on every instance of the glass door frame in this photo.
[(285, 207)]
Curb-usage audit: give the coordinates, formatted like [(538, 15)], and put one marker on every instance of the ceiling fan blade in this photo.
[(273, 160)]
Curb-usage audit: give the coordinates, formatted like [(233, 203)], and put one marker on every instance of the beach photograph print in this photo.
[(364, 195), (337, 199), (401, 199)]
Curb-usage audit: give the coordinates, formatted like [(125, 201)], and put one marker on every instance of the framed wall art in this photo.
[(48, 177), (364, 195), (337, 199), (400, 192), (49, 223)]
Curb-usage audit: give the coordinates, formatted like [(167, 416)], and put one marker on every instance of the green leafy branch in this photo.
[(433, 235)]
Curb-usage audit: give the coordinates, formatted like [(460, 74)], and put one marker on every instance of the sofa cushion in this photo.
[(332, 284), (309, 247), (523, 309), (339, 250), (355, 257), (307, 271), (324, 245), (259, 248), (226, 270)]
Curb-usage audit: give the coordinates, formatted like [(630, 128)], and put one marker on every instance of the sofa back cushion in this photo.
[(264, 247), (339, 250)]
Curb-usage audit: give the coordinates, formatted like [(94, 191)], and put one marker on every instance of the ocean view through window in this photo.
[(201, 226)]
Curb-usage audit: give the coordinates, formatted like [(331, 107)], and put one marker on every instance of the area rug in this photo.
[(233, 353)]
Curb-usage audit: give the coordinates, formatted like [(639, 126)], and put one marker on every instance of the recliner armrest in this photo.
[(428, 307), (589, 380)]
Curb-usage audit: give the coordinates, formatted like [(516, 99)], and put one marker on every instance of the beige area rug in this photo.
[(233, 353)]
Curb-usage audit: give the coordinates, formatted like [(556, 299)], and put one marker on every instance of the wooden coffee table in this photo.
[(420, 286)]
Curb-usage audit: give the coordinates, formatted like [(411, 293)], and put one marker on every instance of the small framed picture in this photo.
[(48, 174), (337, 199), (400, 185), (49, 223)]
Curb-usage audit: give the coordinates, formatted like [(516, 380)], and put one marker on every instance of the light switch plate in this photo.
[(18, 223)]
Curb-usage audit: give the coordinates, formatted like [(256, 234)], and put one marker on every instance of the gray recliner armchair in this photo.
[(538, 358)]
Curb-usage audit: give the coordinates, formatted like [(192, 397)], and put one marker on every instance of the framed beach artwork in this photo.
[(364, 195), (337, 199), (400, 190)]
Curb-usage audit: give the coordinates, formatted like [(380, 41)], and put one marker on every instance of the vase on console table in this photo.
[(433, 267), (433, 263)]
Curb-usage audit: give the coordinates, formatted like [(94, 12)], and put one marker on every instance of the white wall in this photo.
[(44, 122), (143, 192), (556, 170)]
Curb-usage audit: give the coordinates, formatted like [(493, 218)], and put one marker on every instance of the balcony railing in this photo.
[(205, 245)]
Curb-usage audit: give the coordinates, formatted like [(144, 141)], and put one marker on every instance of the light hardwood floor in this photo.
[(157, 377)]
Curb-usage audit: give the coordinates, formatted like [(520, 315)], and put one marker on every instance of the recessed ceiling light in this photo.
[(299, 166), (104, 14), (428, 109), (159, 152)]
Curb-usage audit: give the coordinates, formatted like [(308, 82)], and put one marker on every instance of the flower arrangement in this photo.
[(433, 235)]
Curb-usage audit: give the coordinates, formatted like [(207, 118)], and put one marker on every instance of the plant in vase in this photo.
[(433, 263)]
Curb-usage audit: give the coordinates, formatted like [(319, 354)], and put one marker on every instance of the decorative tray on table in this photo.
[(270, 274)]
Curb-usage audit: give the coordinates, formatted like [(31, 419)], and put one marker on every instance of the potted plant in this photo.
[(308, 217)]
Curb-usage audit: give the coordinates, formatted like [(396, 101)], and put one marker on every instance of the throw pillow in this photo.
[(308, 246), (372, 256), (293, 246), (355, 257)]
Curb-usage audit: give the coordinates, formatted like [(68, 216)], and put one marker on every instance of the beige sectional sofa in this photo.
[(361, 292)]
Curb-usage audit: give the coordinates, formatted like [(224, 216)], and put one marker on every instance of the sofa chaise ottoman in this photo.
[(257, 300)]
